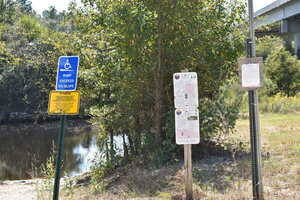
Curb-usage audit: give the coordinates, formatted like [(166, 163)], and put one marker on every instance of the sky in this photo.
[(40, 5), (258, 4)]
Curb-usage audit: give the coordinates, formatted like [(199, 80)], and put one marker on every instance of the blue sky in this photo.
[(40, 5)]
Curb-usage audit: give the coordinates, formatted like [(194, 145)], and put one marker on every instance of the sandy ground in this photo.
[(18, 190)]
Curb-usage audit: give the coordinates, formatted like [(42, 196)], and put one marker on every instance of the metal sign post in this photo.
[(59, 157), (254, 118), (251, 80), (255, 146), (186, 121), (64, 101)]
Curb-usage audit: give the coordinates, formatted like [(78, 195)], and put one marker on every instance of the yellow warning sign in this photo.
[(64, 103)]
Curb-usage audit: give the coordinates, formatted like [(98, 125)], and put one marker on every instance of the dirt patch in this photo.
[(18, 190)]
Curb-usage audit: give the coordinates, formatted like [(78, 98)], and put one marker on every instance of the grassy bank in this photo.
[(275, 104), (218, 177), (281, 148)]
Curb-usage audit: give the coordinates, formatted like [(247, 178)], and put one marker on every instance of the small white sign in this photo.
[(251, 76), (187, 126), (185, 89)]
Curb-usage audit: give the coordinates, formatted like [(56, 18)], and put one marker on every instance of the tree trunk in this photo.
[(125, 147), (131, 145), (107, 153), (158, 96), (112, 149), (137, 138)]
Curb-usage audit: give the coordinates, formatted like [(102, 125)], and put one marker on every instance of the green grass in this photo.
[(275, 104), (280, 104), (281, 139), (217, 179)]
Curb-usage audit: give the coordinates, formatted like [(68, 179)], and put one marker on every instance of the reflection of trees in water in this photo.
[(83, 137), (23, 148), (86, 140)]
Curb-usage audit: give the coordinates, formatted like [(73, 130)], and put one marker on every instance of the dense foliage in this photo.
[(139, 45), (129, 51), (28, 56), (282, 68)]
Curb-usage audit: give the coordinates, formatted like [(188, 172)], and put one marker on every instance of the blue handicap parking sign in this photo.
[(67, 71)]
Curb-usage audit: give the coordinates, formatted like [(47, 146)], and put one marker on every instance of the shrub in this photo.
[(283, 70), (280, 104), (219, 114), (267, 44)]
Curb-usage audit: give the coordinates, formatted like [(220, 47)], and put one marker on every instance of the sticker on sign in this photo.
[(187, 126), (185, 89)]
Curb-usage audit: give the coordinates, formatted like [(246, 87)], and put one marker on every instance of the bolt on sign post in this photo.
[(64, 101), (186, 120)]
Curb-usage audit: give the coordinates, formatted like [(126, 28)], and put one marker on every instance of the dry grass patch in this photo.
[(221, 178)]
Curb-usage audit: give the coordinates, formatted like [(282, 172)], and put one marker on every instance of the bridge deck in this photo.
[(277, 11)]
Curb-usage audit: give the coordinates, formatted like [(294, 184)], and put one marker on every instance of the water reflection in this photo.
[(86, 152), (24, 148)]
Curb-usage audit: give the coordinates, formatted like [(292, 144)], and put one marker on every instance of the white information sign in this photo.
[(187, 126), (185, 89), (251, 73), (251, 76)]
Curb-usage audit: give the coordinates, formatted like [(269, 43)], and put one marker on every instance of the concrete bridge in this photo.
[(287, 14)]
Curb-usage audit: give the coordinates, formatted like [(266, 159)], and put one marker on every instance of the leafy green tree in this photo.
[(129, 51), (267, 44), (25, 6), (51, 13), (56, 21), (28, 62), (7, 10), (283, 69), (31, 28), (139, 45)]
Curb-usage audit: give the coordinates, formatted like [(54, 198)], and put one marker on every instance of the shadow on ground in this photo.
[(221, 173)]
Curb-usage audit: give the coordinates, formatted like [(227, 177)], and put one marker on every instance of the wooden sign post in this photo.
[(188, 171)]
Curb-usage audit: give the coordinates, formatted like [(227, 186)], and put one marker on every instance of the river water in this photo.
[(24, 149)]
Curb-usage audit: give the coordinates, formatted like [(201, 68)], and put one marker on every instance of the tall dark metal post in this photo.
[(59, 157), (254, 119)]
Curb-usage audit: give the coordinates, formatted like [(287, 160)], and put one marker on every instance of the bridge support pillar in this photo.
[(297, 44), (291, 29)]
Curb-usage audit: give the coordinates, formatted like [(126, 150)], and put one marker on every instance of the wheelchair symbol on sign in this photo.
[(67, 66)]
